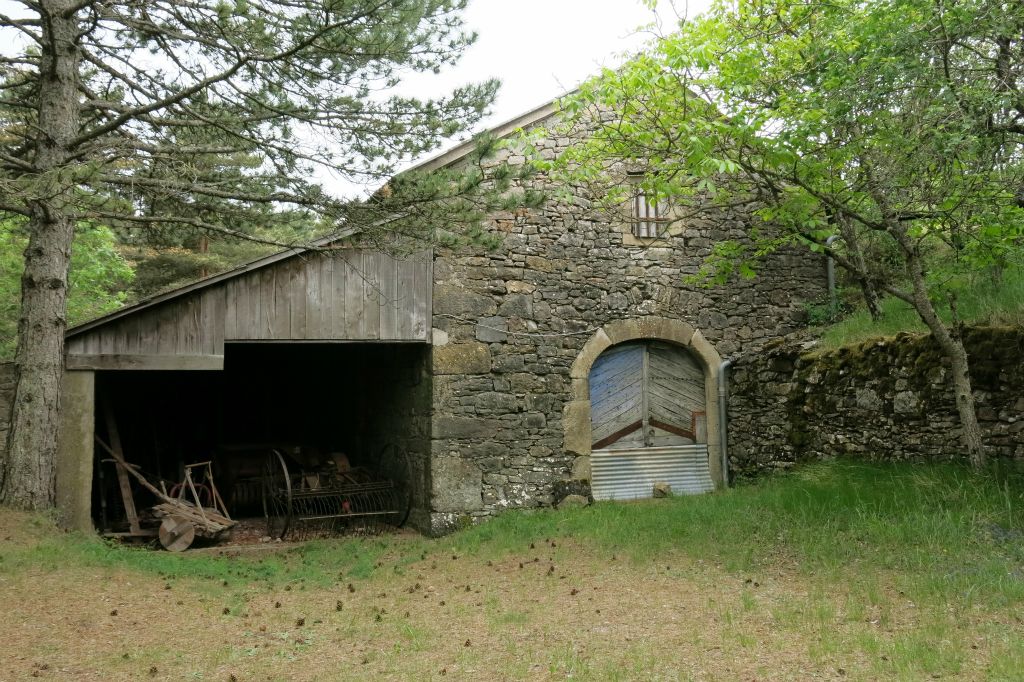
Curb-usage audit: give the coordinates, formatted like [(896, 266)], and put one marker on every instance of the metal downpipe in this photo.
[(830, 272), (723, 419)]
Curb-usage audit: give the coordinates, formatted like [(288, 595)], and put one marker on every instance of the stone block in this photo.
[(495, 403), (572, 502), (905, 402), (541, 264), (576, 427), (492, 330), (868, 399), (585, 360), (75, 451), (517, 305), (541, 402), (581, 468), (508, 363), (458, 427), (534, 420), (455, 485), (453, 300), (462, 358)]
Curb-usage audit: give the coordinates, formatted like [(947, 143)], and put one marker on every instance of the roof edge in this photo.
[(461, 150)]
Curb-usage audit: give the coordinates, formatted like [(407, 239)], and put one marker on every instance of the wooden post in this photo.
[(122, 474)]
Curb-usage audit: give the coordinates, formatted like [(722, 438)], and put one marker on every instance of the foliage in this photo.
[(98, 280), (214, 115), (904, 118)]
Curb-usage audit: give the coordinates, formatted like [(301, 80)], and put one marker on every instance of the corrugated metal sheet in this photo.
[(631, 474)]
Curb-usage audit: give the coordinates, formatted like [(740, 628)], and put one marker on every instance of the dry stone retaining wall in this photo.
[(887, 399)]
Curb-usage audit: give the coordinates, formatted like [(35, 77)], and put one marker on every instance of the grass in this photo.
[(980, 301), (836, 570)]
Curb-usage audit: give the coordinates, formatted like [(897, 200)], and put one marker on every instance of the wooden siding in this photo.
[(675, 385), (348, 295)]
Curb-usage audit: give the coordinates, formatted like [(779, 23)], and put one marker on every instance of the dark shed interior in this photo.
[(309, 401)]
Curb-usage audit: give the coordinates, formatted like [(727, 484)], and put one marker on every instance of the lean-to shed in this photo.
[(321, 350)]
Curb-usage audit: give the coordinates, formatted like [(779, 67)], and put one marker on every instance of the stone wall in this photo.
[(6, 403), (399, 393), (508, 325), (886, 399)]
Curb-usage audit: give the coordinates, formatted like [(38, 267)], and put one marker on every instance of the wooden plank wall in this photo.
[(349, 295), (675, 385)]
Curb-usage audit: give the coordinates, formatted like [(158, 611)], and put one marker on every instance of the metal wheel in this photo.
[(394, 466), (277, 495)]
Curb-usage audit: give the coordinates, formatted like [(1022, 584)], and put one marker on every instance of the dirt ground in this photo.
[(558, 609)]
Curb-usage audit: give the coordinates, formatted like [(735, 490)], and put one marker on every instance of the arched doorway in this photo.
[(648, 421)]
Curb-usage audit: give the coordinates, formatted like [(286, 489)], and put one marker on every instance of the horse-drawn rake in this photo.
[(332, 497)]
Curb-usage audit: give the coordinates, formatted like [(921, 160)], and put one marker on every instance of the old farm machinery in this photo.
[(302, 492), (328, 495), (189, 509)]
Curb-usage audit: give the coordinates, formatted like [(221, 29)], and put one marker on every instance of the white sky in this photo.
[(539, 49)]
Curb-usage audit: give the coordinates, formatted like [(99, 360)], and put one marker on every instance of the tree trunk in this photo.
[(952, 346), (867, 287), (28, 475)]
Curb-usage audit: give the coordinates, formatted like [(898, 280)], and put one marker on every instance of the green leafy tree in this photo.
[(207, 114), (893, 124), (97, 284)]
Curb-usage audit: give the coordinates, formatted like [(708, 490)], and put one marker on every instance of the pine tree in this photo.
[(216, 113)]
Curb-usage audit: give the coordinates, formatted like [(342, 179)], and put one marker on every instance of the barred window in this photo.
[(647, 213)]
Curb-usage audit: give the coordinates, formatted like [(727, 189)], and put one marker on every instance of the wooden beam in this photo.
[(146, 362), (122, 468), (621, 433)]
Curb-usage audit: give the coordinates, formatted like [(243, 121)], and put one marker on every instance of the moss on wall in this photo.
[(883, 399)]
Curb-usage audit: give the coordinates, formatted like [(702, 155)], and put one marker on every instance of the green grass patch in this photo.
[(952, 528), (949, 530), (979, 301)]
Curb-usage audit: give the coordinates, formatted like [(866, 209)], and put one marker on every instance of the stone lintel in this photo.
[(462, 358)]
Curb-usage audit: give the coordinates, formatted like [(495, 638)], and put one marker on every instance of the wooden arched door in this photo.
[(648, 421)]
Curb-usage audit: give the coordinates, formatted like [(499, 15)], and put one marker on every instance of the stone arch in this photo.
[(576, 414)]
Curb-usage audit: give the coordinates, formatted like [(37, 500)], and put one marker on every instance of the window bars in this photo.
[(647, 213)]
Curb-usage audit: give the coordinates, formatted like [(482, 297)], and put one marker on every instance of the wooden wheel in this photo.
[(176, 533), (277, 495)]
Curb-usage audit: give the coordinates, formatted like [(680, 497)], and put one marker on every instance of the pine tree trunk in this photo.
[(27, 479)]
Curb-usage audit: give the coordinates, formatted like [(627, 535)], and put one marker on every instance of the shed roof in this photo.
[(442, 160)]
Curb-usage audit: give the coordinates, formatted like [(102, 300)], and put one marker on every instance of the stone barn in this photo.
[(573, 352)]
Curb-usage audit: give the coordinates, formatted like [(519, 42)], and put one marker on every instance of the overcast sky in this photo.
[(539, 49)]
